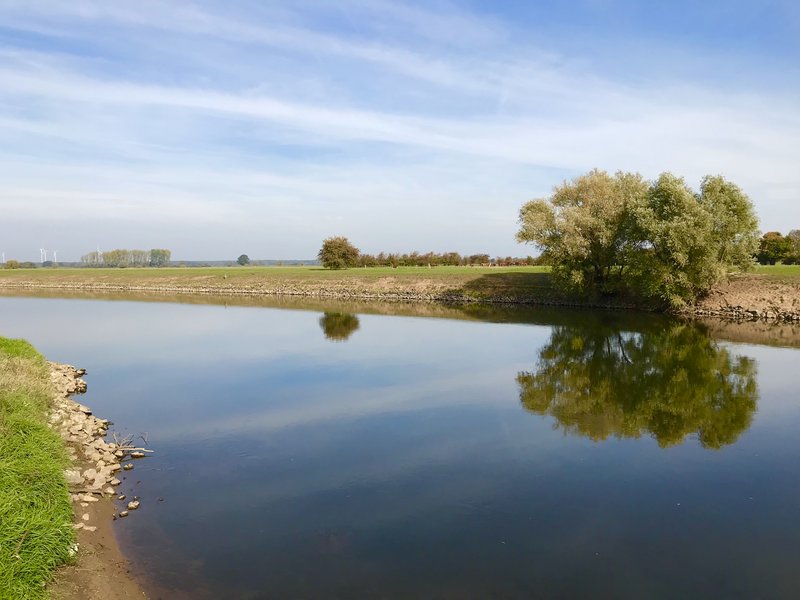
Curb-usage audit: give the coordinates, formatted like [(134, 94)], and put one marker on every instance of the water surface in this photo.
[(330, 454)]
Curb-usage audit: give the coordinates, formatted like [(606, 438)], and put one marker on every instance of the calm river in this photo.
[(330, 453)]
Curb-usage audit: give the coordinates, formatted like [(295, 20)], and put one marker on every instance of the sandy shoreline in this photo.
[(101, 570)]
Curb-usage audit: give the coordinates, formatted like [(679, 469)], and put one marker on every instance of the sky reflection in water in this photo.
[(566, 455)]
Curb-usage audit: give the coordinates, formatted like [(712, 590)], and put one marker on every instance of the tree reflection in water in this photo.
[(338, 326), (668, 381)]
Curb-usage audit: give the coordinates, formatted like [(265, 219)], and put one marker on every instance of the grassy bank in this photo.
[(35, 512), (510, 283)]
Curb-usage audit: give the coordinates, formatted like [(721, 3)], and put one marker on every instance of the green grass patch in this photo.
[(236, 272), (10, 348), (35, 511), (787, 272)]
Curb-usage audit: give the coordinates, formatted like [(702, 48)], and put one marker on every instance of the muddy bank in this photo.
[(101, 570), (751, 298), (742, 298), (496, 288)]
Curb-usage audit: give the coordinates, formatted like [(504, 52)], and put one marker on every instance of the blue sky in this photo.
[(219, 128)]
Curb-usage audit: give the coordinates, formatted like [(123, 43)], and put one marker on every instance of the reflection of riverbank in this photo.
[(758, 332), (606, 381), (742, 298)]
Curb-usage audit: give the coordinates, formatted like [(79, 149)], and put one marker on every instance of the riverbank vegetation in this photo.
[(776, 248), (621, 234), (36, 534)]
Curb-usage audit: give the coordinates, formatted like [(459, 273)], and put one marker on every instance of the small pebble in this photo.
[(85, 517), (123, 513), (128, 466), (133, 505), (121, 497)]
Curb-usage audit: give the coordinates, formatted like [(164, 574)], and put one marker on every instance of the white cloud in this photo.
[(290, 132)]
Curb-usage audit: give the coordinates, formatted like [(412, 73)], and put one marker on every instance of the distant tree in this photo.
[(243, 260), (11, 264), (160, 257), (116, 258), (794, 254), (773, 248), (139, 258), (338, 253), (92, 259)]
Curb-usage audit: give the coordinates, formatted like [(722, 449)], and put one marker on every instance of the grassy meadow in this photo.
[(442, 273), (779, 272), (35, 512)]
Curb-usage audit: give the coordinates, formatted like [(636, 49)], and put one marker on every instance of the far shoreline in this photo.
[(742, 298)]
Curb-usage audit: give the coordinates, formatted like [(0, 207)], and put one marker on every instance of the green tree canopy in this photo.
[(794, 254), (160, 257), (773, 248), (338, 253), (606, 234), (602, 380), (585, 228), (243, 259)]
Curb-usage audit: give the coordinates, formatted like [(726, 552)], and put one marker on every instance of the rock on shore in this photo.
[(95, 461)]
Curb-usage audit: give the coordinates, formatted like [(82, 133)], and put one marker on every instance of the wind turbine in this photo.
[(55, 257), (42, 255)]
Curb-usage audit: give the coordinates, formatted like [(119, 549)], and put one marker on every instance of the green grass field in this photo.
[(787, 272), (35, 512), (301, 273)]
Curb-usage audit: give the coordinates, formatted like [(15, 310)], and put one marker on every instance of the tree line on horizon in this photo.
[(156, 257), (338, 253)]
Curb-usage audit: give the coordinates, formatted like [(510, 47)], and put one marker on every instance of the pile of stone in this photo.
[(95, 462)]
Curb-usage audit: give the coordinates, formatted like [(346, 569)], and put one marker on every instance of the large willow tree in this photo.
[(608, 233)]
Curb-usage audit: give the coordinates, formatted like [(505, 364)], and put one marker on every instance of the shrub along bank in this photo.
[(36, 533)]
